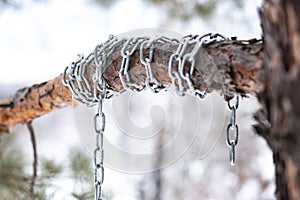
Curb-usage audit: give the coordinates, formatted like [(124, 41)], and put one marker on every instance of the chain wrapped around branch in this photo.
[(182, 65), (183, 58)]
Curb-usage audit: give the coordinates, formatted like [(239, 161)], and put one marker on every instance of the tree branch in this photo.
[(30, 103), (240, 64)]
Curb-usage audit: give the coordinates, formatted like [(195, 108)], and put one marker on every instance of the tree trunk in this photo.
[(280, 115)]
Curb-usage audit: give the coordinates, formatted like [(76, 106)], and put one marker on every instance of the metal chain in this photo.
[(129, 48), (101, 53), (174, 70), (151, 81), (184, 55), (232, 131), (99, 126), (195, 41), (74, 74)]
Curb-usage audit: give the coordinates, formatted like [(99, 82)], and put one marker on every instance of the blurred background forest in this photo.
[(40, 37)]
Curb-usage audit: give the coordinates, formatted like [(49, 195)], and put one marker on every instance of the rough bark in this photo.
[(240, 62), (280, 115), (31, 102)]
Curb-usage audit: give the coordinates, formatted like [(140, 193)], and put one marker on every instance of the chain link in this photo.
[(195, 41), (174, 75), (232, 131), (99, 127), (129, 48), (151, 82)]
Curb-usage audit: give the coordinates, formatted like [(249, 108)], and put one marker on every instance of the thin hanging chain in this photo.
[(101, 53), (232, 131), (99, 126)]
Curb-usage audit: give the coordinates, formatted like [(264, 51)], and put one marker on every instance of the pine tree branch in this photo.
[(30, 103), (240, 64)]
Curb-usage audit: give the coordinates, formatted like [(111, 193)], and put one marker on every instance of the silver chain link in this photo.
[(151, 81), (129, 48), (232, 131), (99, 127), (194, 40), (182, 56), (173, 71)]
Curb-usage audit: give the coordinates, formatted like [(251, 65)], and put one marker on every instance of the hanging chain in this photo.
[(99, 126), (232, 131)]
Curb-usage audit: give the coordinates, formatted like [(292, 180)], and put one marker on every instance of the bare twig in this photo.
[(7, 105), (34, 173)]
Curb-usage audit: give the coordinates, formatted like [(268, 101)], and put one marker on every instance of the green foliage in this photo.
[(50, 169), (205, 10), (81, 172), (13, 183), (80, 165)]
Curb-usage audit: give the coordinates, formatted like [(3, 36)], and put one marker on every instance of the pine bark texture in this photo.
[(280, 115), (31, 102)]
